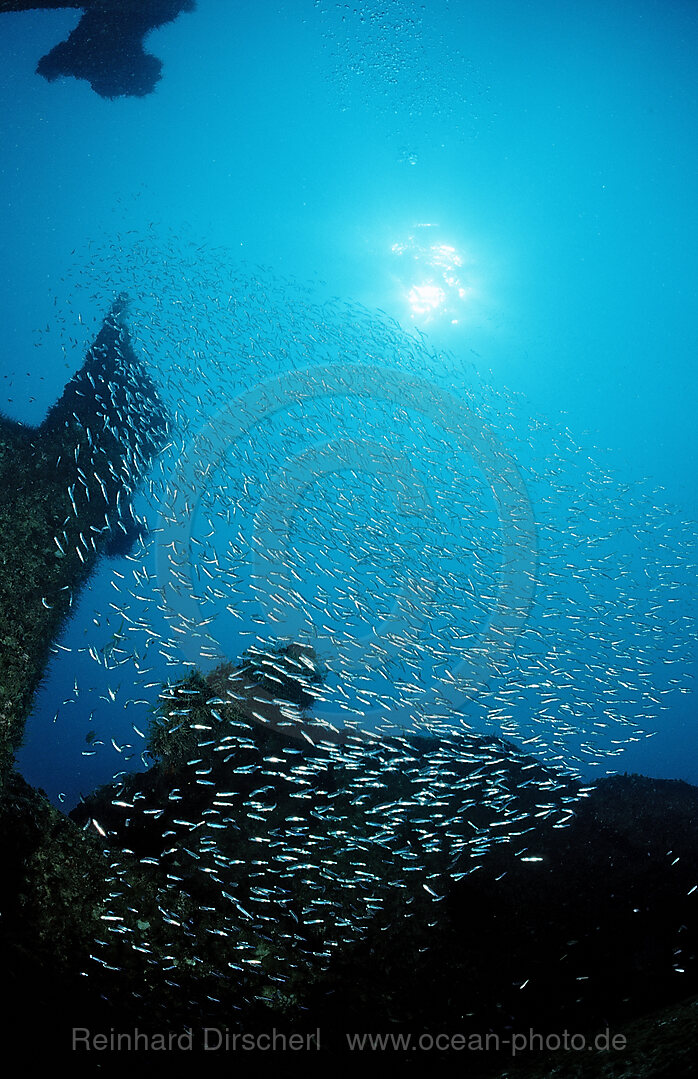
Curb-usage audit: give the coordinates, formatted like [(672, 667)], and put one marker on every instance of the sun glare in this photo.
[(431, 277)]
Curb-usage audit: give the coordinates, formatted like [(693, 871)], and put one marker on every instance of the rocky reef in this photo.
[(106, 47), (348, 915)]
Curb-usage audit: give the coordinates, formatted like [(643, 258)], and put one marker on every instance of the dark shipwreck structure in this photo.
[(106, 47)]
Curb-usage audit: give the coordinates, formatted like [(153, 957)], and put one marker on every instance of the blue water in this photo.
[(516, 181)]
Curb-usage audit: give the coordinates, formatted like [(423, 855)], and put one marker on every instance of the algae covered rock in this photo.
[(67, 488)]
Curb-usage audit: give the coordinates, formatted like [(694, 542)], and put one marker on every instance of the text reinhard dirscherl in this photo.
[(212, 1039), (221, 1039)]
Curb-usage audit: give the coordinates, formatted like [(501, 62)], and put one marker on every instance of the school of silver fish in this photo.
[(459, 567)]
